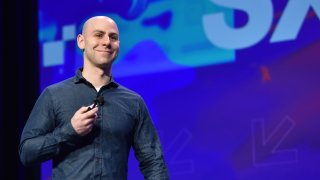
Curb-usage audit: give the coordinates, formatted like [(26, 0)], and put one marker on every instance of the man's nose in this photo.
[(106, 40)]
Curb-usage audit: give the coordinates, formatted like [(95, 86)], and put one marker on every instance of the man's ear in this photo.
[(80, 41)]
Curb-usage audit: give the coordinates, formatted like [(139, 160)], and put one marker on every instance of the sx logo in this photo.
[(260, 15)]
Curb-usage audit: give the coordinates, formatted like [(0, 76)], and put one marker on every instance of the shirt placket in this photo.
[(98, 159)]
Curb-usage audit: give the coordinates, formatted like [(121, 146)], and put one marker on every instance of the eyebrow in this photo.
[(100, 31)]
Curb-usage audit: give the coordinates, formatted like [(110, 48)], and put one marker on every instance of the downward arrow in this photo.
[(177, 145), (266, 148)]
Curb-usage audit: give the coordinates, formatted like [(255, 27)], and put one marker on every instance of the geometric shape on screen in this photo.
[(68, 32), (48, 33), (268, 148), (53, 53), (177, 145), (183, 47)]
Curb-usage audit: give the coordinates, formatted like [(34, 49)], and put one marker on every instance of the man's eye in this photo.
[(98, 35), (114, 37)]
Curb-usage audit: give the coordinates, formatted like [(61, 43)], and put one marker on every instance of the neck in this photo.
[(96, 76)]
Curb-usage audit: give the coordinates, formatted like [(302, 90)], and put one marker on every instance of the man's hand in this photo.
[(83, 120)]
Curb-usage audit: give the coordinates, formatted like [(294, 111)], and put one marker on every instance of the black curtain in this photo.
[(19, 86)]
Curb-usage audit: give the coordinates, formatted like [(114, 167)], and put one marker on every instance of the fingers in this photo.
[(91, 114), (82, 110), (83, 120), (90, 119), (85, 130)]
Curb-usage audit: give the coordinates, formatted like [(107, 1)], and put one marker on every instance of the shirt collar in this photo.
[(80, 79)]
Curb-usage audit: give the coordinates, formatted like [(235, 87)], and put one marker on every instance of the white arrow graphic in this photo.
[(177, 145), (265, 149)]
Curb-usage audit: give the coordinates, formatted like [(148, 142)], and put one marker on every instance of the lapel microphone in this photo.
[(98, 101)]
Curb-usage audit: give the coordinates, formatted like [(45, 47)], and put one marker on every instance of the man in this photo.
[(92, 142)]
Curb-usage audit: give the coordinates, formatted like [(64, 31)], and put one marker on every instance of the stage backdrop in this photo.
[(232, 86)]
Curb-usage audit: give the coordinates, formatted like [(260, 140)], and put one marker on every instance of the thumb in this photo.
[(83, 109)]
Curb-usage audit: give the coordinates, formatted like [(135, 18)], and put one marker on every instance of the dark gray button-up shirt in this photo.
[(123, 122)]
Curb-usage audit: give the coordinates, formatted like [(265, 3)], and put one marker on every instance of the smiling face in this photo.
[(100, 41)]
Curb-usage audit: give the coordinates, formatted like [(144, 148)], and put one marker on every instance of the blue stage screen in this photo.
[(232, 86)]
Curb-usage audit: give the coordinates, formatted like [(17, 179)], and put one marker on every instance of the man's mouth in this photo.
[(104, 51)]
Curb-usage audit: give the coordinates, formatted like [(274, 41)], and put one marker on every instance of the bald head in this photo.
[(93, 21), (99, 41)]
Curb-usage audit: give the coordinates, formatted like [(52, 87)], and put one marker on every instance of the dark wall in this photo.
[(19, 85)]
